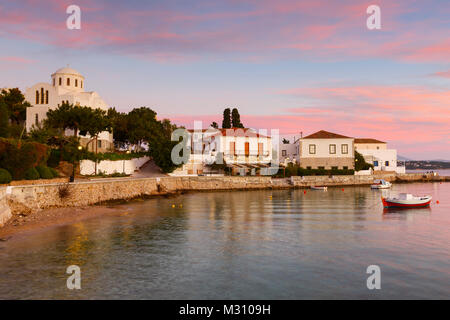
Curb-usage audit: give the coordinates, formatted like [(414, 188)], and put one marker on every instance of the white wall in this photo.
[(390, 155), (87, 167), (292, 152)]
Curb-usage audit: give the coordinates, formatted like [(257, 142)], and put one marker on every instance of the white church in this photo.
[(67, 86)]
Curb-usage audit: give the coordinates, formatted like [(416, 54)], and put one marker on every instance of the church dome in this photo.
[(68, 70)]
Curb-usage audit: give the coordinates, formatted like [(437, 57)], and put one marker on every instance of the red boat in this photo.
[(406, 200)]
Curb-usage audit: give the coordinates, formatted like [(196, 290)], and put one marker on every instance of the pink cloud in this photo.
[(262, 29), (18, 60), (443, 74)]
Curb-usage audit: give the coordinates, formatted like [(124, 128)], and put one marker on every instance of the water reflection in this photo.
[(243, 245)]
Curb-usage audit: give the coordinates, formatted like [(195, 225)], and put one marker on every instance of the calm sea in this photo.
[(242, 245)]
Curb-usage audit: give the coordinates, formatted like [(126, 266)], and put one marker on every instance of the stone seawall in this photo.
[(31, 198), (5, 212)]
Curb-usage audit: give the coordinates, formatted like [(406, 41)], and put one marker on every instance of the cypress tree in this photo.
[(4, 120), (226, 122), (236, 119)]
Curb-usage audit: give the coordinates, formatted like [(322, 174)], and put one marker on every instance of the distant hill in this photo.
[(401, 158)]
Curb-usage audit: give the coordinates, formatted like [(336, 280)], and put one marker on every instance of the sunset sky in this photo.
[(289, 65)]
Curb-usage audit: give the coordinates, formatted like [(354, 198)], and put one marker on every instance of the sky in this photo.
[(296, 66)]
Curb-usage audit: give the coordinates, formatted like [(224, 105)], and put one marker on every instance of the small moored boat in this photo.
[(381, 184), (324, 188), (406, 200)]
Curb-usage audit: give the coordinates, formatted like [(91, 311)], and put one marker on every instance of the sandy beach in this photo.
[(24, 224)]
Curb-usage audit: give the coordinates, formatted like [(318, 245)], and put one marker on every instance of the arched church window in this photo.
[(46, 96), (42, 95), (68, 81), (82, 83), (37, 97), (60, 81), (76, 82)]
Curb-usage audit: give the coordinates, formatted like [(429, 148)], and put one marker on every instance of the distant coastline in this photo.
[(427, 165)]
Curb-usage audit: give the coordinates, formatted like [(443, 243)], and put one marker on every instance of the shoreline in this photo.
[(36, 207)]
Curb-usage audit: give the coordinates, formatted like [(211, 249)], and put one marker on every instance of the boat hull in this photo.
[(402, 204)]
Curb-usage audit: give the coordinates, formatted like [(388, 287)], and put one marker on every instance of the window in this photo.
[(54, 81), (375, 163), (60, 81), (321, 168), (82, 84), (37, 97), (260, 149), (386, 163), (344, 149), (76, 82), (247, 149), (46, 96), (309, 167), (68, 81), (36, 119), (345, 167), (283, 153), (99, 143), (334, 168), (233, 148), (42, 95), (332, 149), (312, 149)]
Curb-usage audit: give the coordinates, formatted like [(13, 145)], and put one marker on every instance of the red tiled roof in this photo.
[(234, 132), (367, 140), (322, 134)]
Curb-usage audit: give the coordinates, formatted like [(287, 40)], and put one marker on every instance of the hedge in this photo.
[(32, 174), (5, 176), (292, 170), (44, 172)]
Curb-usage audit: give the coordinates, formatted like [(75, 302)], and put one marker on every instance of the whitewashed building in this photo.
[(376, 152), (243, 150), (67, 85)]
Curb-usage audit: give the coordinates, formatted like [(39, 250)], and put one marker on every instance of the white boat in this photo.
[(381, 184), (406, 200), (324, 188)]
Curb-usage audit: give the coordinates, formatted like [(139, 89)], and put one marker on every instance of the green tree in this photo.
[(16, 104), (360, 162), (285, 141), (142, 126), (119, 126), (236, 119), (93, 123), (4, 120), (66, 116), (214, 125)]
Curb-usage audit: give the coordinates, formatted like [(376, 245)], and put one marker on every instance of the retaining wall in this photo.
[(5, 212)]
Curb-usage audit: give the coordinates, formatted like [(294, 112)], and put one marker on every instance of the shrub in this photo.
[(31, 174), (17, 157), (5, 176), (55, 173), (44, 172)]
